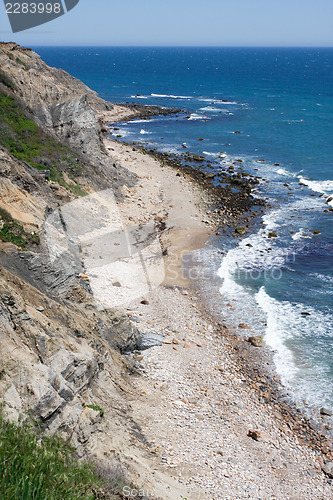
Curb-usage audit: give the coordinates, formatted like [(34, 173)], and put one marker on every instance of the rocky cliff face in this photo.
[(64, 108), (59, 102), (60, 354)]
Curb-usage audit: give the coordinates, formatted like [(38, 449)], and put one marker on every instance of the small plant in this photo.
[(5, 80), (19, 61), (96, 408)]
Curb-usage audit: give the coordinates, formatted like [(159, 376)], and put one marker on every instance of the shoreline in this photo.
[(237, 218), (125, 361), (257, 361), (232, 343), (226, 206)]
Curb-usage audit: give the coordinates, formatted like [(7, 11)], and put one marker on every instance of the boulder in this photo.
[(77, 369), (48, 404), (244, 326), (327, 468), (260, 436), (326, 412), (150, 339), (256, 341), (119, 331)]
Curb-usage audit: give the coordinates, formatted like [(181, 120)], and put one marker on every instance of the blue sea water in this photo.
[(281, 102)]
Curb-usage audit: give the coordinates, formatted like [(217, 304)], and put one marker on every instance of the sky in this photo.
[(184, 23)]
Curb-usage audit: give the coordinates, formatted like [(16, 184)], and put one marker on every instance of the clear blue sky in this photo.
[(184, 22)]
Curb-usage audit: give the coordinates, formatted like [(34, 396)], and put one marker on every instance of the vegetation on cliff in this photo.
[(12, 231), (37, 467), (34, 466), (26, 141), (6, 81)]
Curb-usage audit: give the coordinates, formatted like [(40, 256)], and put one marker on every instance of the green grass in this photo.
[(35, 467), (19, 61), (22, 137), (97, 408), (12, 231)]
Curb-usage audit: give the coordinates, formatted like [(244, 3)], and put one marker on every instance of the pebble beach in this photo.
[(213, 429)]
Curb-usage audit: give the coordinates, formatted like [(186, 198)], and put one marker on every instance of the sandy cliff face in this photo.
[(59, 351)]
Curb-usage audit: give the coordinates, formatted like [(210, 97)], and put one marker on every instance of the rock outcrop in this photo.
[(65, 108)]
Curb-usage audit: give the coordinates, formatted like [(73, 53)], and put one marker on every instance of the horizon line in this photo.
[(188, 46)]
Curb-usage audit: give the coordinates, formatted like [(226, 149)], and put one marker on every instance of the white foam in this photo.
[(210, 154), (122, 132), (323, 277), (195, 116), (139, 97), (261, 256), (144, 132), (324, 187), (286, 326), (301, 234), (287, 331), (277, 332), (229, 287), (211, 109), (140, 121), (283, 171), (219, 101), (308, 374), (167, 96), (306, 203)]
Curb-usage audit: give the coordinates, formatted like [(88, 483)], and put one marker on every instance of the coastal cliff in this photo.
[(178, 417), (59, 353)]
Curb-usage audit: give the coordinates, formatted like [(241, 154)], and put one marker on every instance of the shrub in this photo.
[(13, 232), (96, 408), (4, 215), (5, 80), (19, 61)]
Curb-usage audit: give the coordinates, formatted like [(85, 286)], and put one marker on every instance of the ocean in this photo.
[(280, 101)]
